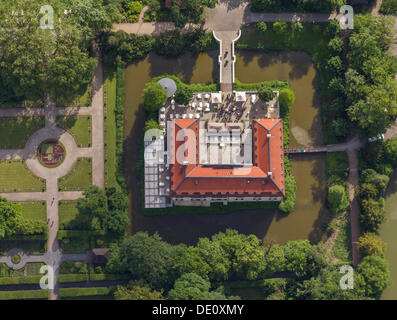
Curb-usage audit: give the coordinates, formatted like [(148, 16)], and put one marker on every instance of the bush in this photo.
[(372, 215), (261, 26), (335, 46), (337, 198), (336, 86), (154, 96), (337, 107), (288, 204), (170, 43), (335, 66), (389, 7), (340, 127), (370, 244), (183, 95), (286, 99), (152, 124), (376, 274), (265, 93), (134, 8)]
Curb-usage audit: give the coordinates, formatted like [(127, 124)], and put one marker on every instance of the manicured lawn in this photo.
[(16, 177), (79, 127), (110, 130), (67, 212), (15, 132), (79, 178), (34, 210), (83, 99), (30, 269)]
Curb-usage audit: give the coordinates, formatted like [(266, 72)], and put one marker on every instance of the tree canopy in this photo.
[(154, 96), (37, 61), (191, 286)]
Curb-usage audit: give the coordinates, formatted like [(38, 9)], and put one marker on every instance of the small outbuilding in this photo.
[(100, 255), (168, 85)]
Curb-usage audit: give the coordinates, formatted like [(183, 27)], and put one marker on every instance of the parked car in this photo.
[(378, 137)]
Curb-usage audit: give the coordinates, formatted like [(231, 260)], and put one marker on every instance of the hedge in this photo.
[(79, 233), (72, 277), (119, 111), (81, 292), (104, 276), (24, 294), (20, 280)]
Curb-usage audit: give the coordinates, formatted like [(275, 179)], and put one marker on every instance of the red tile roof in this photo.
[(264, 178)]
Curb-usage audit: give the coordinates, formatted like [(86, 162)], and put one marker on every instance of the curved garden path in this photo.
[(54, 257)]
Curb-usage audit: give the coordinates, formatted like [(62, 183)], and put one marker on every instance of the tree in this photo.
[(105, 210), (337, 198), (94, 206), (296, 256), (336, 86), (389, 7), (134, 8), (380, 181), (280, 27), (149, 258), (286, 98), (326, 286), (376, 275), (372, 215), (191, 286), (368, 190), (370, 244), (261, 26), (335, 66), (154, 96), (36, 61), (265, 93), (183, 94), (337, 107), (333, 28), (121, 47), (215, 256), (340, 127), (170, 43), (10, 218), (274, 260), (335, 46), (391, 151), (137, 290), (152, 124), (91, 16)]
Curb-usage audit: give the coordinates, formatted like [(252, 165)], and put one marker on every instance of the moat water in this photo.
[(308, 218)]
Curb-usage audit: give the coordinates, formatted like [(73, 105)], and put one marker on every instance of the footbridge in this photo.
[(355, 143)]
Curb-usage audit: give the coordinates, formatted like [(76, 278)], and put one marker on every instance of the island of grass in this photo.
[(79, 178), (79, 127), (16, 177), (15, 132)]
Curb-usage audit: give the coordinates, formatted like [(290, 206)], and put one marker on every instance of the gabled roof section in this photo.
[(264, 178)]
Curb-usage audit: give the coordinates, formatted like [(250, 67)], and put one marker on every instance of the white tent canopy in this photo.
[(216, 97), (240, 96)]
